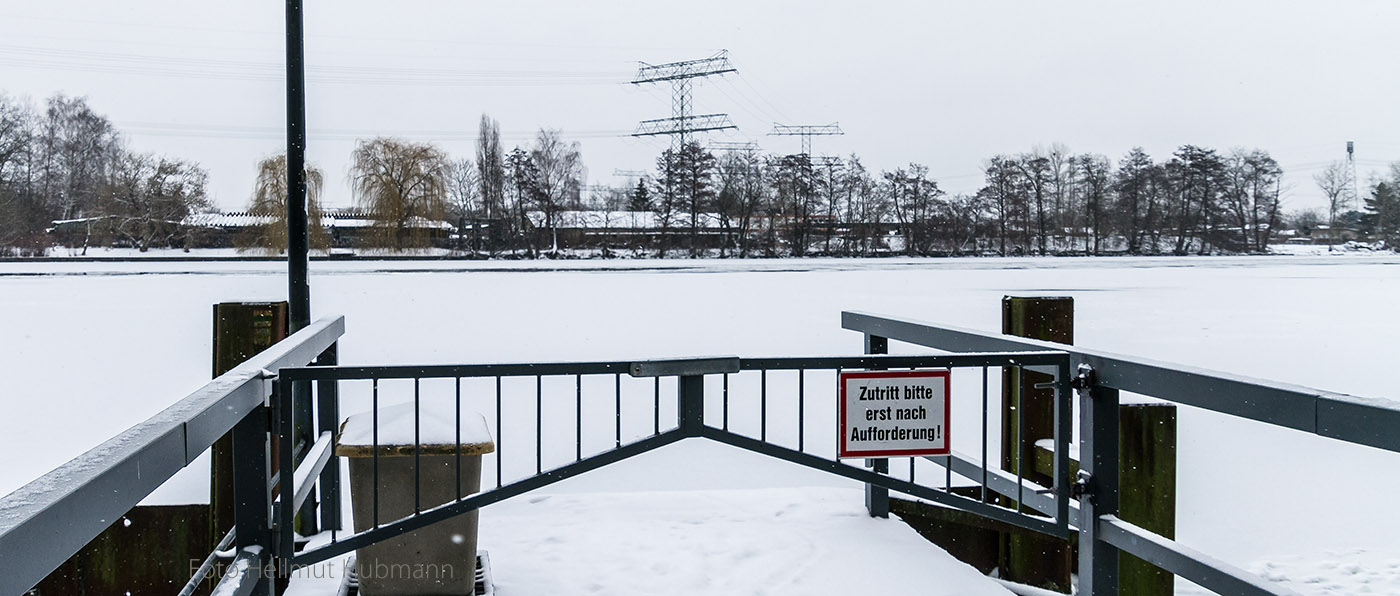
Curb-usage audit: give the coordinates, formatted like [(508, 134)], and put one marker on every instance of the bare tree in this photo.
[(1335, 184), (463, 194), (147, 198), (561, 174), (77, 150), (1093, 174), (16, 212), (491, 175), (403, 185), (269, 201), (1035, 169)]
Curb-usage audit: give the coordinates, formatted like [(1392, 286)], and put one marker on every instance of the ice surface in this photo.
[(92, 348)]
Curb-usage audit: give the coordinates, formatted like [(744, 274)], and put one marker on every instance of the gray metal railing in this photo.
[(50, 519), (1101, 376)]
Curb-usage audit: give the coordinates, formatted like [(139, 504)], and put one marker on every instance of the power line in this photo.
[(745, 146), (274, 132), (223, 69)]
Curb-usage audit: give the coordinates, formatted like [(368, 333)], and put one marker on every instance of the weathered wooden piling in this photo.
[(241, 331), (1147, 472), (1028, 414)]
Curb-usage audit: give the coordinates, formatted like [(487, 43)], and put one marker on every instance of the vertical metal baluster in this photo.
[(984, 434), (458, 488), (499, 433), (374, 444), (617, 405), (1020, 426), (801, 405), (948, 467), (726, 401), (763, 405), (656, 407), (334, 463), (578, 417), (417, 446), (539, 426)]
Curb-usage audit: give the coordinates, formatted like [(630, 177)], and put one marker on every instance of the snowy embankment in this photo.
[(93, 348)]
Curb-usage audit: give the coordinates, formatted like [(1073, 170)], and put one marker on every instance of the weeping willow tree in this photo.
[(270, 201), (403, 186)]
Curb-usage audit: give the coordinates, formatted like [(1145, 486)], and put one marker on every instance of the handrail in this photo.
[(1364, 421), (1206, 571), (46, 521), (1360, 420)]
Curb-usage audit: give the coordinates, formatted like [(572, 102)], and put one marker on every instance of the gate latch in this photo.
[(1086, 378), (1082, 486)]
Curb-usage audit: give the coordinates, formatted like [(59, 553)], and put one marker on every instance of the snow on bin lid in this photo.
[(436, 432)]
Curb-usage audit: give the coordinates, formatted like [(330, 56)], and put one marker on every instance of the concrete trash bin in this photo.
[(439, 559)]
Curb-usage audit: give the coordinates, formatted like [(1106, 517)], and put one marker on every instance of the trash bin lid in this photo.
[(436, 433)]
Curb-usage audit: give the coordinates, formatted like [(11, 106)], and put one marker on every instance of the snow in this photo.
[(757, 541), (776, 541), (396, 426), (1346, 572), (1049, 445), (93, 348)]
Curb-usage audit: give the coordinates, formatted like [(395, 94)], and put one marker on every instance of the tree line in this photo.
[(63, 162)]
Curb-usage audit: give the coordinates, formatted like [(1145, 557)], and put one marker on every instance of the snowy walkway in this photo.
[(794, 541)]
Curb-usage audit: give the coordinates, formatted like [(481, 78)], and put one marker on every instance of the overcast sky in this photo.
[(944, 84)]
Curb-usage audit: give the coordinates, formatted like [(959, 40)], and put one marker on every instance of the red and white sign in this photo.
[(893, 413)]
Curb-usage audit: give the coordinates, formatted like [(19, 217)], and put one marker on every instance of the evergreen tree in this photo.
[(1382, 216), (640, 199)]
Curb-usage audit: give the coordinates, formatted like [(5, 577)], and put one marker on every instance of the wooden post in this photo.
[(1028, 414), (1147, 459), (1146, 489), (150, 551), (241, 331)]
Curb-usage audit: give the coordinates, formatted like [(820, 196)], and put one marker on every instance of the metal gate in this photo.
[(555, 421)]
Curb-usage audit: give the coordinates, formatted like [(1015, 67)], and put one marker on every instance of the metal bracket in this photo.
[(685, 366), (1086, 379), (1083, 486)]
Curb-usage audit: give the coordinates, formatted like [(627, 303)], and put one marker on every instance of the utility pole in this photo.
[(298, 288), (683, 122)]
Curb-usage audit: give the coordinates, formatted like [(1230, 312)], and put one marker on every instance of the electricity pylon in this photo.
[(683, 122), (1351, 173), (806, 131)]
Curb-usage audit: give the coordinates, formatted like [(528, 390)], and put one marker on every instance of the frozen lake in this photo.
[(92, 348)]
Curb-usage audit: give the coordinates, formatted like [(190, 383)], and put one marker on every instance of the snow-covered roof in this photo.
[(619, 219), (334, 218)]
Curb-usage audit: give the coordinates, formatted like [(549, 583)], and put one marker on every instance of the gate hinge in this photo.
[(1085, 379)]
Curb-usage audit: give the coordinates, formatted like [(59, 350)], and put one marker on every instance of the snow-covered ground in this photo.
[(92, 348), (753, 541)]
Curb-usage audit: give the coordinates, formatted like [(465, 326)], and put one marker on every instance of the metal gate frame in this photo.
[(1045, 509)]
